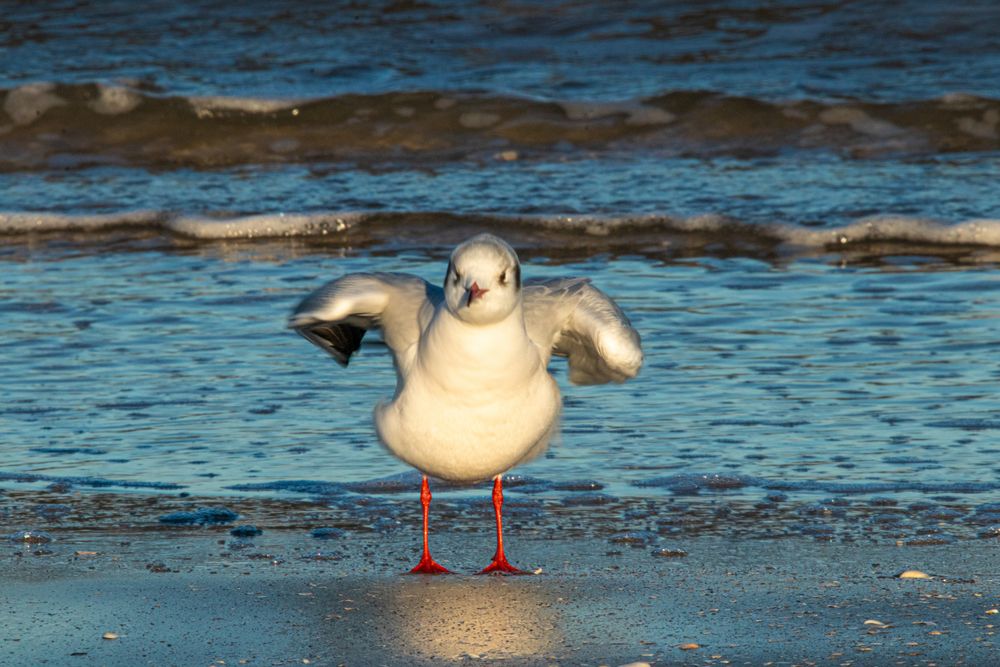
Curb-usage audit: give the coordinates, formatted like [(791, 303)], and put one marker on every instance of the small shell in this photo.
[(110, 635), (690, 646), (913, 574)]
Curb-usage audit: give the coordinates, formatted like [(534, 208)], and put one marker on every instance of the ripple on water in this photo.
[(634, 538), (310, 487), (201, 516), (385, 524), (52, 511), (980, 518), (929, 540), (588, 499), (967, 424), (692, 483), (30, 537), (941, 514), (93, 482), (327, 533), (403, 482), (820, 531)]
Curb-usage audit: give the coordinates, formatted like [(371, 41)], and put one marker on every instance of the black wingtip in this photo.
[(340, 341)]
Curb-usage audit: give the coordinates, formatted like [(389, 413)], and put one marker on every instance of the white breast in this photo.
[(473, 402)]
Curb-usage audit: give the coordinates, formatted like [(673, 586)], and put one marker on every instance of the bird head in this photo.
[(483, 283)]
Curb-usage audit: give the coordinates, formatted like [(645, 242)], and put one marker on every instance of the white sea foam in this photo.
[(31, 101), (478, 120), (886, 228), (878, 229), (860, 122), (263, 226), (985, 128), (983, 232), (114, 100), (19, 222), (595, 225), (961, 100), (208, 106)]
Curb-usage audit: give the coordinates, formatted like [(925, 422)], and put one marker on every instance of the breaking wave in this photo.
[(360, 227), (44, 125)]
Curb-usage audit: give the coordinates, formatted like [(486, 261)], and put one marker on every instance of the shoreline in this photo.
[(579, 512), (199, 596)]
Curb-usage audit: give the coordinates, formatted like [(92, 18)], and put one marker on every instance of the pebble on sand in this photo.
[(110, 635), (913, 574), (690, 646)]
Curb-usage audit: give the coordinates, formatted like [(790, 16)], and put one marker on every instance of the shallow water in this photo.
[(175, 367), (803, 229)]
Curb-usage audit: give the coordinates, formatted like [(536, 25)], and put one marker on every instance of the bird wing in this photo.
[(336, 316), (569, 317)]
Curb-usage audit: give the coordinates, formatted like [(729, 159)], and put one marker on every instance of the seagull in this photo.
[(474, 397)]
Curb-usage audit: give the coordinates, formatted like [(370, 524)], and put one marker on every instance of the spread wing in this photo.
[(336, 316), (572, 318)]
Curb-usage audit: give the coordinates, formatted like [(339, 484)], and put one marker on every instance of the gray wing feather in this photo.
[(572, 318), (336, 316)]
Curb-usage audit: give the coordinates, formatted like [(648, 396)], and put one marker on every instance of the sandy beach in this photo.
[(199, 596)]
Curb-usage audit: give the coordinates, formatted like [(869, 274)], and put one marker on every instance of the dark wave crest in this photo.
[(45, 125)]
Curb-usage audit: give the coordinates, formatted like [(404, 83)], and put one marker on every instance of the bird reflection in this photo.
[(446, 619)]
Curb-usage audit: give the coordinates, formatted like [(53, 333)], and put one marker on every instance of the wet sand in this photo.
[(198, 596)]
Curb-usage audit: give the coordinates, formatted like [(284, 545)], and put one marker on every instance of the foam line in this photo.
[(878, 229)]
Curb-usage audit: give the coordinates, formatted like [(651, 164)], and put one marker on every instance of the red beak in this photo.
[(475, 292)]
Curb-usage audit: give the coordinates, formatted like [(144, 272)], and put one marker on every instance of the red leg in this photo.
[(427, 564), (500, 563)]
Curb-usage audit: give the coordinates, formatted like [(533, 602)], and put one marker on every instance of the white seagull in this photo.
[(474, 397)]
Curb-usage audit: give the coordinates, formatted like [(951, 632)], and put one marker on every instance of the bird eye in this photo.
[(457, 278), (503, 278)]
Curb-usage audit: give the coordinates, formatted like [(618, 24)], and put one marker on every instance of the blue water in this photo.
[(151, 353), (175, 367), (809, 190), (876, 51)]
